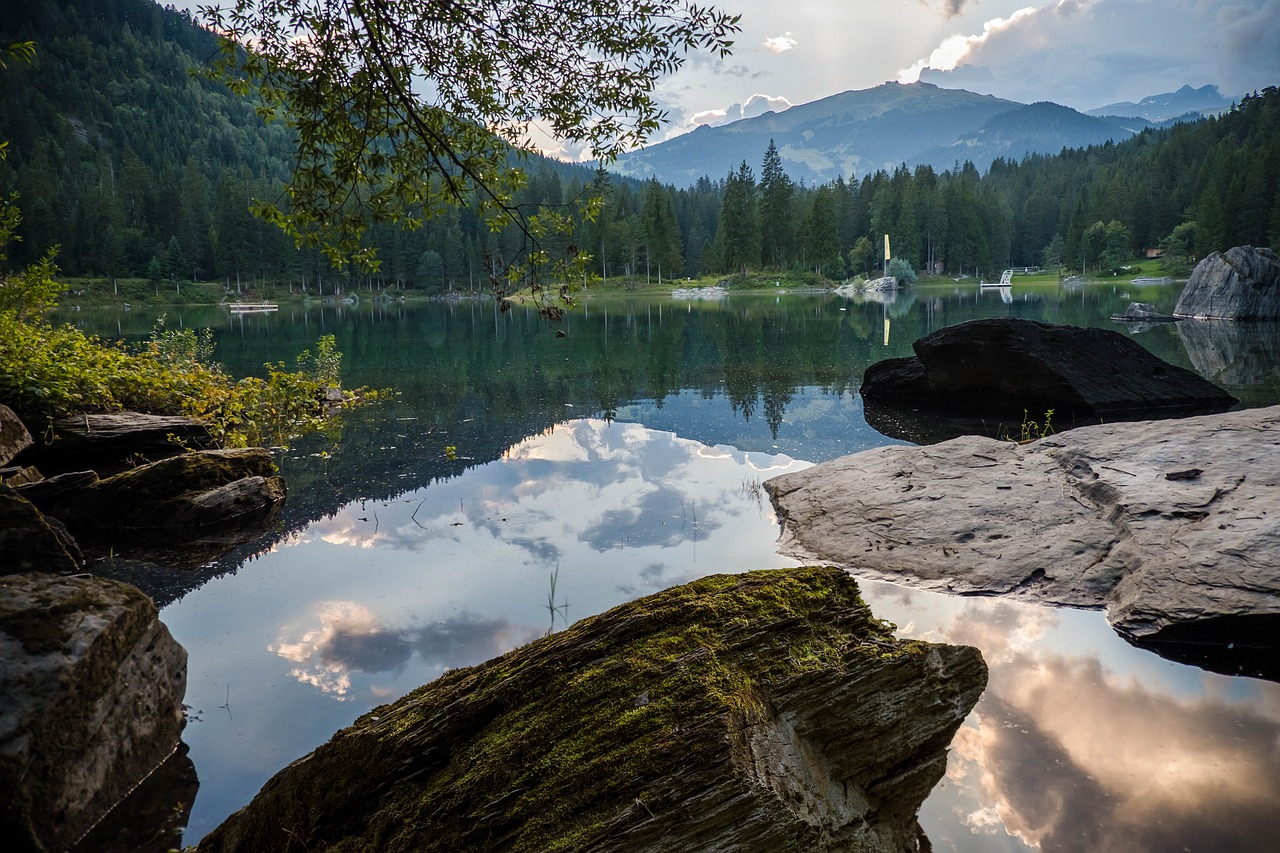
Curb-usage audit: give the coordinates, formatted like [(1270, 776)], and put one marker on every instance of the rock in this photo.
[(93, 686), (761, 712), (112, 442), (1142, 312), (30, 542), (14, 437), (1000, 369), (1239, 284), (20, 476), (202, 489), (1112, 516)]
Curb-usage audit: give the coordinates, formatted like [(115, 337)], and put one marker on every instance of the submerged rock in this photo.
[(1242, 283), (93, 686), (1173, 526), (761, 712), (996, 370)]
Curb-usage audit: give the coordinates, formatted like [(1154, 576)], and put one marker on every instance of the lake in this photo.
[(518, 481)]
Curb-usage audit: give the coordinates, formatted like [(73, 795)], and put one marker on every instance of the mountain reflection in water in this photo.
[(628, 458)]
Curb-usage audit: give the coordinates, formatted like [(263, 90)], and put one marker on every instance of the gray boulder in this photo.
[(764, 712), (93, 686), (1242, 283), (1172, 526)]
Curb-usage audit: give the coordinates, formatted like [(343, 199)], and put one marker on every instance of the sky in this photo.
[(1080, 53)]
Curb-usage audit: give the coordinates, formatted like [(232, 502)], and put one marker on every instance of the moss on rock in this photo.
[(690, 719)]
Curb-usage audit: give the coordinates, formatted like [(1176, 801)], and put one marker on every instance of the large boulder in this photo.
[(30, 542), (994, 371), (202, 489), (93, 686), (114, 441), (1172, 526), (1242, 283), (761, 712)]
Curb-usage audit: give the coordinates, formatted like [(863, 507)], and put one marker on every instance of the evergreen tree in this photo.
[(822, 235), (777, 197), (738, 237)]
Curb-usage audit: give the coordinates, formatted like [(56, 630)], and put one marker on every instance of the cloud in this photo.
[(780, 44), (949, 8), (960, 50), (1086, 53), (756, 105)]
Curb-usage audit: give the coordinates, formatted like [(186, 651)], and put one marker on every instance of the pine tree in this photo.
[(777, 194), (738, 237)]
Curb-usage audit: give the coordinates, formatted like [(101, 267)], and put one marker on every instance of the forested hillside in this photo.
[(137, 167)]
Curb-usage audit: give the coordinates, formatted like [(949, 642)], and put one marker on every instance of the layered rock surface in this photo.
[(111, 442), (93, 686), (192, 491), (1165, 523), (1242, 283), (761, 712)]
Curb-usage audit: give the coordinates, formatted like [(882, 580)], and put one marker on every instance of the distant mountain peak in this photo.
[(855, 133), (1206, 100)]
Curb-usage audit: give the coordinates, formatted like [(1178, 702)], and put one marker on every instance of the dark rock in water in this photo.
[(1232, 645), (197, 490), (1242, 283), (113, 442), (761, 712), (14, 437), (93, 686), (1172, 526), (31, 542), (1000, 369)]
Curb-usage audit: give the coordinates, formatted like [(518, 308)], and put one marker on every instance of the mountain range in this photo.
[(855, 133), (1206, 100)]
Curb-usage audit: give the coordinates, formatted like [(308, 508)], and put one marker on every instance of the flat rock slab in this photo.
[(93, 686), (764, 712), (1164, 523)]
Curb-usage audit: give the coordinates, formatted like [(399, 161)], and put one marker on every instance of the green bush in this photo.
[(48, 371)]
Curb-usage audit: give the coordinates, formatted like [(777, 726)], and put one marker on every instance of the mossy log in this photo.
[(768, 711)]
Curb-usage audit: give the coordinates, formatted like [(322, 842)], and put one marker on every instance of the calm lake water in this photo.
[(628, 457)]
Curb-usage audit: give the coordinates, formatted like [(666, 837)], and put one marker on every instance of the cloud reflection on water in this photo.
[(1066, 754), (488, 543), (1080, 742)]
